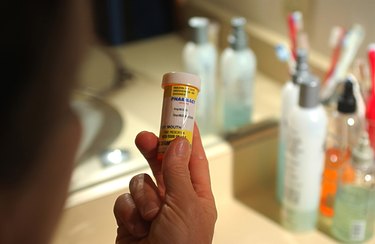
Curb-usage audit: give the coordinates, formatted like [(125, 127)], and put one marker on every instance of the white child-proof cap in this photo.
[(183, 78)]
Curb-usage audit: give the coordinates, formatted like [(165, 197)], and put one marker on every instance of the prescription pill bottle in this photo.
[(178, 113)]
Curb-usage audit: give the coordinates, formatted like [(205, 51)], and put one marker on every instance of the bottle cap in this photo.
[(238, 38), (309, 92), (199, 28), (347, 103), (362, 153), (173, 78)]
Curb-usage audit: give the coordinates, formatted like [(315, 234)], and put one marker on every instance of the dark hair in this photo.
[(32, 86)]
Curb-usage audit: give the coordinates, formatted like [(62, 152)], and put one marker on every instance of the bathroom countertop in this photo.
[(88, 216), (93, 222)]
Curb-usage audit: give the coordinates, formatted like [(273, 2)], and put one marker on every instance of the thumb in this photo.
[(175, 168)]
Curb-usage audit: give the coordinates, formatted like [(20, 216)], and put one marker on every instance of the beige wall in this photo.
[(267, 12), (319, 16), (327, 13)]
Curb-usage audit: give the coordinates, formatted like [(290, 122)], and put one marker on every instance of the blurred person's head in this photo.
[(41, 46)]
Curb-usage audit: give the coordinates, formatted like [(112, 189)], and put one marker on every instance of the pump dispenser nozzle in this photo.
[(199, 26), (302, 66), (238, 38)]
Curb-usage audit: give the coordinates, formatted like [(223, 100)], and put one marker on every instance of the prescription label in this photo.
[(178, 114)]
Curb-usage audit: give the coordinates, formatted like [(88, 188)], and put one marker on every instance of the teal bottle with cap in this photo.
[(237, 68), (200, 58)]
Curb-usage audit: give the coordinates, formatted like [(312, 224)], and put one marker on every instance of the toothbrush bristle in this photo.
[(298, 20), (282, 52)]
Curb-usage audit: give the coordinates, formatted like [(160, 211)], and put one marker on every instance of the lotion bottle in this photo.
[(200, 58), (304, 159), (238, 67)]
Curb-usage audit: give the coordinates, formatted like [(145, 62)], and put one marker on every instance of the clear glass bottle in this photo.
[(343, 133), (354, 207)]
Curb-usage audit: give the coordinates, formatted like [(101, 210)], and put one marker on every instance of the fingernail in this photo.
[(182, 147), (138, 182)]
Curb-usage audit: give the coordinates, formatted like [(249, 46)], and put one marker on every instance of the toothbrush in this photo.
[(361, 106), (283, 54), (370, 112), (303, 40), (335, 41), (295, 24), (292, 36), (351, 43), (361, 71), (371, 57)]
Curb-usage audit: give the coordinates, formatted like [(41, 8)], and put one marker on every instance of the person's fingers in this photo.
[(145, 195), (199, 169), (147, 143), (176, 168), (128, 218)]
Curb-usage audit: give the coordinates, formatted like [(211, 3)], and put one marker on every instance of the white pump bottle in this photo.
[(238, 68), (200, 58), (289, 100), (304, 159)]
